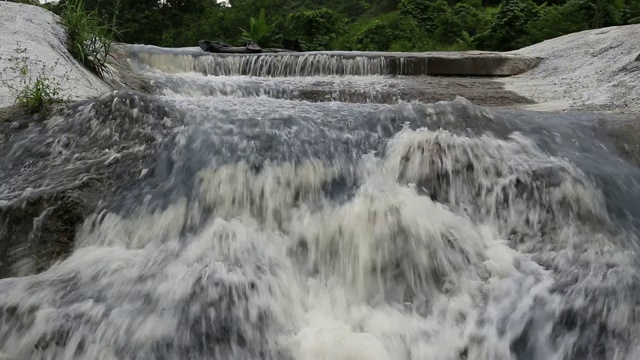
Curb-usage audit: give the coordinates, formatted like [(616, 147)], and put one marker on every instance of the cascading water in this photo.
[(246, 224), (278, 65)]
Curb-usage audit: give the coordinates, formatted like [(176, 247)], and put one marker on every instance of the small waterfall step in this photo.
[(468, 63)]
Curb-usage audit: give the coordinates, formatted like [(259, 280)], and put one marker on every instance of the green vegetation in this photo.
[(31, 82), (374, 25), (315, 29), (260, 32), (90, 35)]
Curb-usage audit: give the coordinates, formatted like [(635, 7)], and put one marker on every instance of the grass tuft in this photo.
[(90, 36)]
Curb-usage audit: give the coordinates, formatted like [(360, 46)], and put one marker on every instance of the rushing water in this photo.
[(260, 226), (282, 64)]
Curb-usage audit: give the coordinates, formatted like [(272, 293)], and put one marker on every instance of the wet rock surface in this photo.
[(462, 63), (196, 216), (94, 145), (41, 39), (425, 89), (41, 230), (59, 171), (625, 132), (243, 217)]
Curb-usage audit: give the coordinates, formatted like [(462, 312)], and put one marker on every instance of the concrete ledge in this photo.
[(468, 63), (480, 65)]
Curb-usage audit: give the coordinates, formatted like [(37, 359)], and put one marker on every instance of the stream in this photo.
[(234, 217)]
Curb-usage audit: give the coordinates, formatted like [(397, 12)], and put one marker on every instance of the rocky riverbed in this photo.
[(171, 214)]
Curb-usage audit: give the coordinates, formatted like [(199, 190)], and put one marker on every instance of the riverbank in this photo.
[(36, 35), (594, 70), (333, 210)]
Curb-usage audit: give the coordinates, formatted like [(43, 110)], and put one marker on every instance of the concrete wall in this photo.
[(484, 64)]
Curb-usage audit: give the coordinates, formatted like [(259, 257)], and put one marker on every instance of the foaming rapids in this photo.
[(372, 89), (263, 228)]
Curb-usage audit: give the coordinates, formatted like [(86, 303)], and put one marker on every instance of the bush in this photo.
[(630, 13), (90, 38), (29, 82), (461, 23), (602, 12), (315, 29), (556, 21), (382, 33), (509, 30), (353, 9), (260, 32), (209, 25), (424, 12)]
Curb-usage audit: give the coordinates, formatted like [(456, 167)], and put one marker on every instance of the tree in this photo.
[(510, 27), (630, 13), (602, 12), (406, 25), (462, 22), (381, 34), (425, 12), (316, 29)]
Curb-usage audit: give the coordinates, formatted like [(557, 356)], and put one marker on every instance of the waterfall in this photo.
[(226, 217), (280, 64)]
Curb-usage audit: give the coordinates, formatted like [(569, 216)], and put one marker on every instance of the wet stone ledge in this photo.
[(471, 63)]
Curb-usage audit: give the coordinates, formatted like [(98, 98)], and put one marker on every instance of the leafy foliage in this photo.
[(260, 31), (631, 13), (603, 12), (460, 23), (402, 25), (556, 21), (386, 32), (509, 29), (425, 12), (316, 29)]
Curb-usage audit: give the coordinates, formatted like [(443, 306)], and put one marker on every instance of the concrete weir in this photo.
[(479, 64), (472, 63)]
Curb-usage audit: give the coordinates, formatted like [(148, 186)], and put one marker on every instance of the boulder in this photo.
[(38, 231)]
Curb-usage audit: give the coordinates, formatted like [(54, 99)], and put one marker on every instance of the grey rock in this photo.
[(39, 218)]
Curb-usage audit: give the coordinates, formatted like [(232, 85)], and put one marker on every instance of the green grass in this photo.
[(90, 36)]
